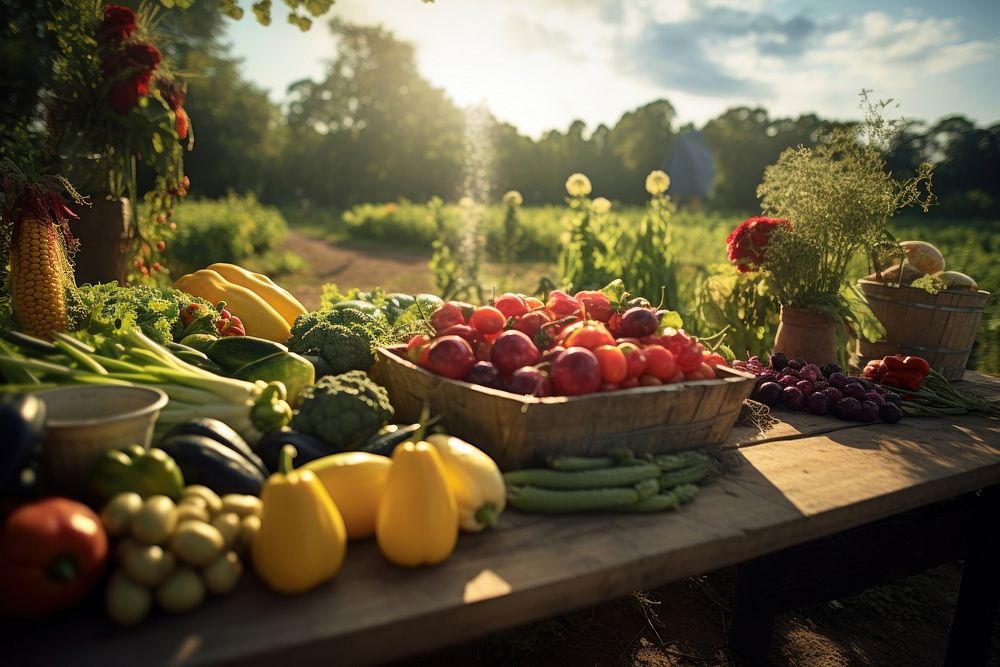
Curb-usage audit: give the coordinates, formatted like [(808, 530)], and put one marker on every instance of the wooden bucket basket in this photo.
[(518, 430), (940, 327)]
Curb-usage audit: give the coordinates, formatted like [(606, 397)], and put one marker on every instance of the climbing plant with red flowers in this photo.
[(118, 105)]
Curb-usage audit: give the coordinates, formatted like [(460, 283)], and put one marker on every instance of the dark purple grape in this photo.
[(789, 371), (830, 369), (769, 393), (820, 385), (848, 408), (768, 373), (890, 413), (808, 374), (792, 398), (854, 391), (869, 411), (875, 398), (838, 380), (797, 363), (866, 384), (788, 381), (814, 368), (893, 397), (778, 361), (818, 403), (834, 394), (484, 373), (805, 386)]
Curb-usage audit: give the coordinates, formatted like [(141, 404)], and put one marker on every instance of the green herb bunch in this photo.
[(839, 198)]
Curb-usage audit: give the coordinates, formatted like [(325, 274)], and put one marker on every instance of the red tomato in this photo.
[(704, 372), (487, 320), (676, 377), (614, 367), (714, 360), (511, 305), (597, 304), (575, 371), (531, 322), (562, 304), (649, 381), (659, 361), (587, 334), (635, 359)]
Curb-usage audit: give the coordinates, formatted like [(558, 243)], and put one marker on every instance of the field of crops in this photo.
[(710, 293)]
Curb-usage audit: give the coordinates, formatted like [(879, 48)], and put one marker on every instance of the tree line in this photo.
[(373, 129)]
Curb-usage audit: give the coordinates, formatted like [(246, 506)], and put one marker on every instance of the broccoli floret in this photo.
[(342, 339), (343, 410), (341, 349)]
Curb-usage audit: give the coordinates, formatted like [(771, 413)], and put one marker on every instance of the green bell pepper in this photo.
[(148, 473)]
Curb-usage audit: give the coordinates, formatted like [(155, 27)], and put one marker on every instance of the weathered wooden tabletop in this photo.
[(788, 490)]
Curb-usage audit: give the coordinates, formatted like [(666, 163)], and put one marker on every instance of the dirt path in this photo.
[(352, 264)]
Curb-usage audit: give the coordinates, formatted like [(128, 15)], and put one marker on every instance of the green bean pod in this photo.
[(549, 501), (690, 475), (582, 479), (568, 463), (662, 502), (670, 462)]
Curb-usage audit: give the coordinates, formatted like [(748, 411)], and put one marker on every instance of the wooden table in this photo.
[(789, 490)]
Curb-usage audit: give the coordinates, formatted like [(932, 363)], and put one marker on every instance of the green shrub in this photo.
[(234, 229)]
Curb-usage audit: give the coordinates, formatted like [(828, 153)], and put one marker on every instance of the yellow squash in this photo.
[(355, 482), (475, 480), (302, 540), (277, 297), (259, 319), (417, 518)]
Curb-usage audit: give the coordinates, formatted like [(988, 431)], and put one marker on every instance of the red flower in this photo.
[(172, 92), (182, 122), (118, 24), (145, 55), (745, 245)]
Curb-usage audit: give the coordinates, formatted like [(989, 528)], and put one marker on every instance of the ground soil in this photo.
[(902, 622)]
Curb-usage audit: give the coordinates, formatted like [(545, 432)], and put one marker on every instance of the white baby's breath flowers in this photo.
[(578, 185), (657, 182)]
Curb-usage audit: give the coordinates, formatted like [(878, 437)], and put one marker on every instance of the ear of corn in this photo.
[(39, 277)]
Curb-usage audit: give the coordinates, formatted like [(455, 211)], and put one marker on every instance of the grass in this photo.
[(699, 245)]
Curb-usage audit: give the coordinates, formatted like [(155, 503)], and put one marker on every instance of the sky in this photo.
[(540, 64)]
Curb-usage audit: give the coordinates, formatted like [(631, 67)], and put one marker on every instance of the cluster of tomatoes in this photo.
[(566, 346)]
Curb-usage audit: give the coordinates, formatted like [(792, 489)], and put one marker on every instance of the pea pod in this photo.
[(534, 499), (690, 475), (661, 502), (565, 462), (582, 479), (670, 462)]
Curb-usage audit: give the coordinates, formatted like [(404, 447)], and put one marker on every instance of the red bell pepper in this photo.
[(904, 372), (52, 552), (228, 324)]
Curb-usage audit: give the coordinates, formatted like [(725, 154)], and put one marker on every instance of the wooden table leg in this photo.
[(978, 597), (753, 619)]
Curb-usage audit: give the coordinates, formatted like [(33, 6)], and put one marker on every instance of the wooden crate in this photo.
[(519, 430), (940, 327)]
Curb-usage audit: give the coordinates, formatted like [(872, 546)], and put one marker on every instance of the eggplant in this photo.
[(308, 448), (209, 463), (383, 443), (223, 434), (22, 423)]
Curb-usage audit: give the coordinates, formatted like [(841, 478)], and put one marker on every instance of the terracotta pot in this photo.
[(103, 231), (808, 334)]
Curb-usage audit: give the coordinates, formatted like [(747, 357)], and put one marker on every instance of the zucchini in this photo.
[(221, 433), (234, 352), (566, 462), (27, 342), (386, 439), (583, 479), (661, 502), (292, 370), (209, 463), (690, 475), (198, 341)]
